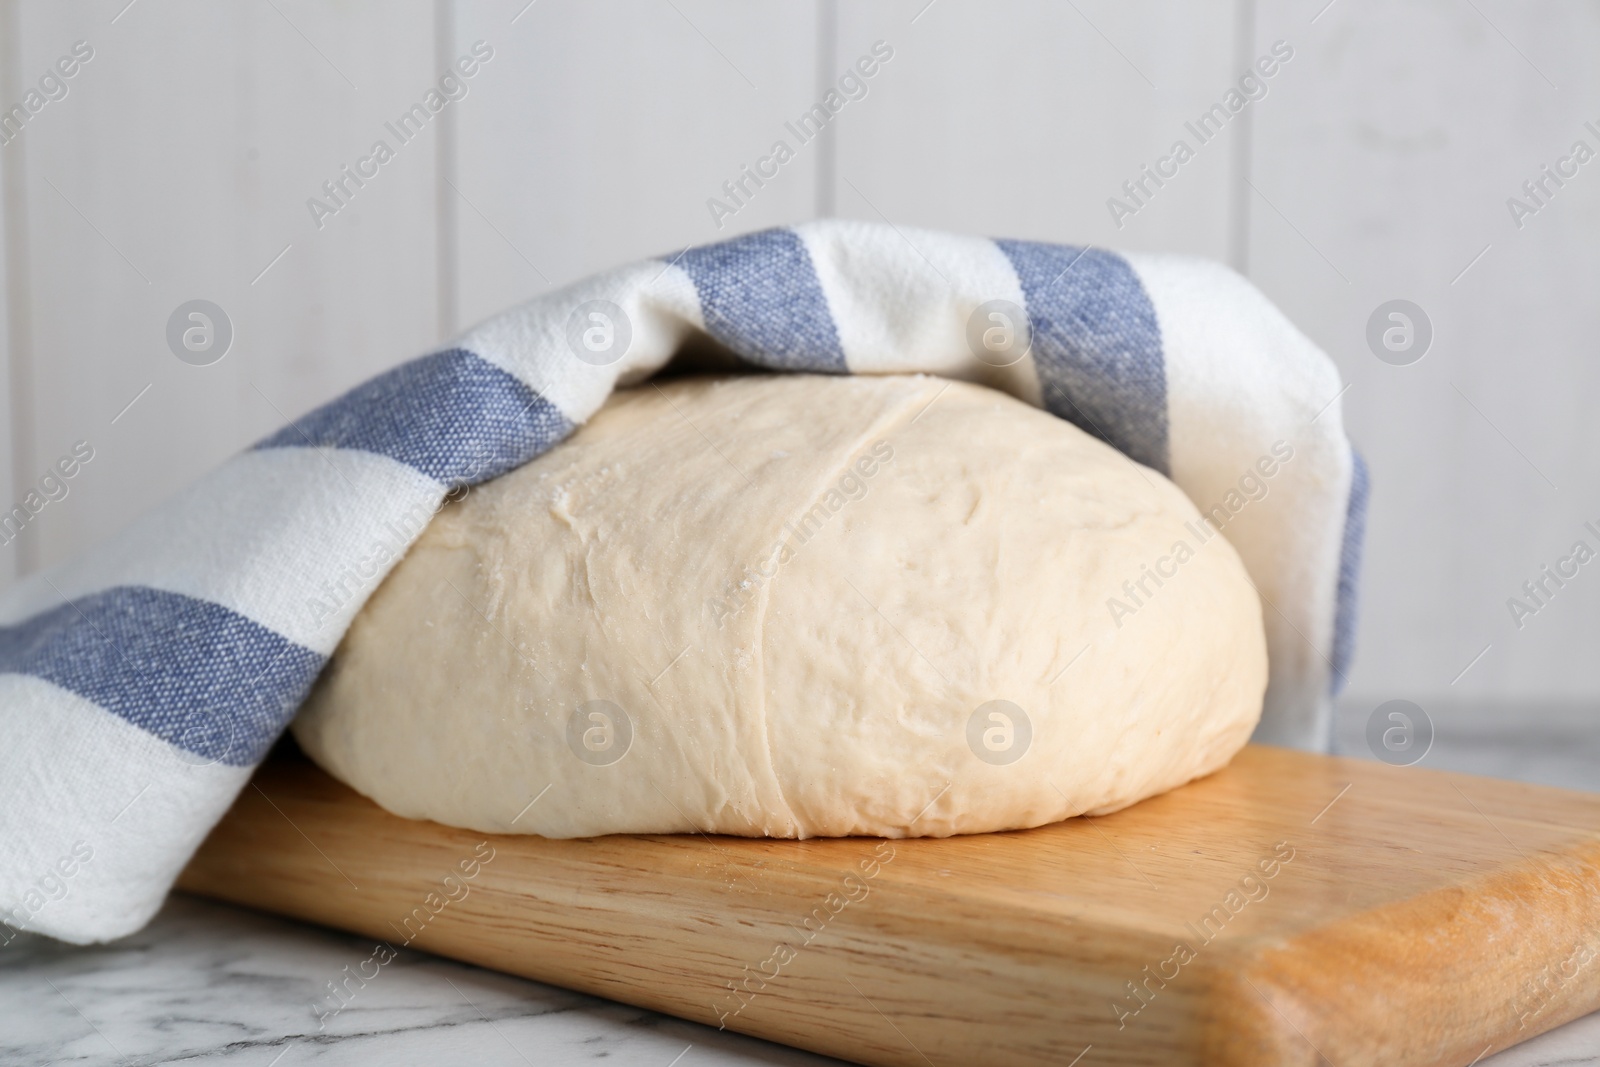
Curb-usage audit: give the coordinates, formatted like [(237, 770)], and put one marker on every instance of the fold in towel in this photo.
[(140, 684)]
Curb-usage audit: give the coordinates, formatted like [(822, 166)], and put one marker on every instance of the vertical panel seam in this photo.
[(446, 281), (827, 41), (1243, 147), (19, 334)]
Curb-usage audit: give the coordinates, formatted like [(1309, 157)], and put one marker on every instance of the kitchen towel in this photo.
[(140, 684)]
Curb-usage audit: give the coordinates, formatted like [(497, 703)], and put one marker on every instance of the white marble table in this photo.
[(206, 983), (209, 984)]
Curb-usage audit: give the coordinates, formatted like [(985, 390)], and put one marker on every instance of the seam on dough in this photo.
[(763, 599), (882, 426)]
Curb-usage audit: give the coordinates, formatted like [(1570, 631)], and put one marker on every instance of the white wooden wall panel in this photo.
[(13, 300), (178, 167), (1376, 167), (1021, 118), (8, 309), (1387, 155), (601, 129)]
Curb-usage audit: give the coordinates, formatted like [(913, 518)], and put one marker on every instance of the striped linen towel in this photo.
[(139, 685)]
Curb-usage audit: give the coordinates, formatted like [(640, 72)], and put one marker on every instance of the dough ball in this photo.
[(799, 606)]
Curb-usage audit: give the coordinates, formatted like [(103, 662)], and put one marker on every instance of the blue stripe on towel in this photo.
[(759, 295), (1355, 528), (193, 673), (453, 415), (1096, 344)]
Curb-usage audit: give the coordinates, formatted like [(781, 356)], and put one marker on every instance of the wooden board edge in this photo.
[(1442, 979), (1007, 996), (1367, 987)]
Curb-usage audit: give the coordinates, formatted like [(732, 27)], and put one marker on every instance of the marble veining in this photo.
[(206, 983)]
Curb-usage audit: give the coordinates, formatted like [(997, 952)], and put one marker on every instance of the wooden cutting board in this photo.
[(1292, 906)]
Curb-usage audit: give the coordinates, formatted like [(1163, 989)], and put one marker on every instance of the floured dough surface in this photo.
[(798, 606)]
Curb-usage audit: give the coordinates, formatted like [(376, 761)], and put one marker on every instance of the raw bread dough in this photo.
[(784, 606)]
